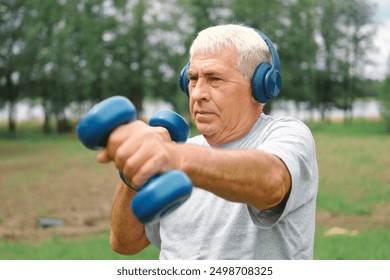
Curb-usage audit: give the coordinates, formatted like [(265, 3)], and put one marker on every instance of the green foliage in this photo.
[(344, 27), (58, 53)]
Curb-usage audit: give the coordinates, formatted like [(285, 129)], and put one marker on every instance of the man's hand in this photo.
[(139, 152)]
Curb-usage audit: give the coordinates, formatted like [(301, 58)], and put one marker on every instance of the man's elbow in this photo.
[(280, 191), (128, 249), (276, 194), (122, 250)]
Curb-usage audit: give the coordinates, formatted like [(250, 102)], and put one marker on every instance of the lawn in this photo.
[(95, 247), (56, 176)]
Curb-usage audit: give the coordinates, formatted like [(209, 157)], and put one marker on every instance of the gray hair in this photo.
[(250, 46)]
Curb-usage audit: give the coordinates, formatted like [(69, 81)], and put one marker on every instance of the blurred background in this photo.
[(60, 57)]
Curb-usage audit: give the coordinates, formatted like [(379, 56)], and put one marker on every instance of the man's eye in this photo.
[(215, 79), (193, 79)]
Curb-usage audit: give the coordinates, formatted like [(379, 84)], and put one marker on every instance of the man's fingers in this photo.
[(103, 157), (163, 132)]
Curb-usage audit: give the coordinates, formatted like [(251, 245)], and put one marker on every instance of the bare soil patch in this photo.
[(80, 197), (79, 192), (380, 218)]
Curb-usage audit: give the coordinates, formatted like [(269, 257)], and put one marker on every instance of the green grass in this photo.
[(57, 248), (352, 166), (367, 245), (360, 127)]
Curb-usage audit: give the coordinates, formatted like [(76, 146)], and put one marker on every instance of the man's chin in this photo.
[(205, 128)]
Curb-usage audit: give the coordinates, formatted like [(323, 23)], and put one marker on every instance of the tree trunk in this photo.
[(11, 116), (46, 123), (12, 91), (47, 111), (63, 124)]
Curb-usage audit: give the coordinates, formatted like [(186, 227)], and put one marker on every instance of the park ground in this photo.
[(56, 177)]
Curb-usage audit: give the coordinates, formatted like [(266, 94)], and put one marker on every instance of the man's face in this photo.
[(220, 97)]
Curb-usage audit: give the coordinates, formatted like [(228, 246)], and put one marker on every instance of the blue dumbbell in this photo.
[(163, 193)]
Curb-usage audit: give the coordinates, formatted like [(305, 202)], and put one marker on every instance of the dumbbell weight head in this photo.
[(94, 129), (161, 195), (177, 127)]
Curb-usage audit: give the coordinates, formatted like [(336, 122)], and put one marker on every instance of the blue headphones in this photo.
[(266, 80)]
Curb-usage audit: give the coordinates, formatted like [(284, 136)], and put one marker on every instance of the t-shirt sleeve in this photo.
[(153, 234), (293, 143)]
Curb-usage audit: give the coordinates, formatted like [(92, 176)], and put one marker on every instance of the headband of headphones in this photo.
[(266, 81)]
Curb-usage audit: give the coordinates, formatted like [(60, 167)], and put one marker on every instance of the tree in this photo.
[(169, 28), (344, 39), (384, 98), (358, 31), (44, 18), (66, 51), (69, 61), (12, 52), (129, 49), (298, 50)]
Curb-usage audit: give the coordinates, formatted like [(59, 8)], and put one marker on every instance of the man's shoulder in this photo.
[(280, 119), (277, 122)]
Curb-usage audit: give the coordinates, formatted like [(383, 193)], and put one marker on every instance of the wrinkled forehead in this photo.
[(222, 60)]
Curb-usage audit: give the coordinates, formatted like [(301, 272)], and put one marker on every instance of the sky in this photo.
[(380, 55)]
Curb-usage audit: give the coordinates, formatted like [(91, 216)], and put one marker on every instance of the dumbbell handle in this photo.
[(177, 127)]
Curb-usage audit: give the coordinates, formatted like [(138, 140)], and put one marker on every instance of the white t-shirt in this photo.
[(209, 227)]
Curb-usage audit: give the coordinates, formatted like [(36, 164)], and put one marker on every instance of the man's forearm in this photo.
[(127, 234), (253, 177)]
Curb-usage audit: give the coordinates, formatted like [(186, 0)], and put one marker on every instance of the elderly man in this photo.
[(255, 177)]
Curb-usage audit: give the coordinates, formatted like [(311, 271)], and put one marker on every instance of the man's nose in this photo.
[(201, 91)]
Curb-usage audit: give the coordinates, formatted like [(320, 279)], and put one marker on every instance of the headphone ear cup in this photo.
[(183, 79), (273, 83), (258, 82)]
